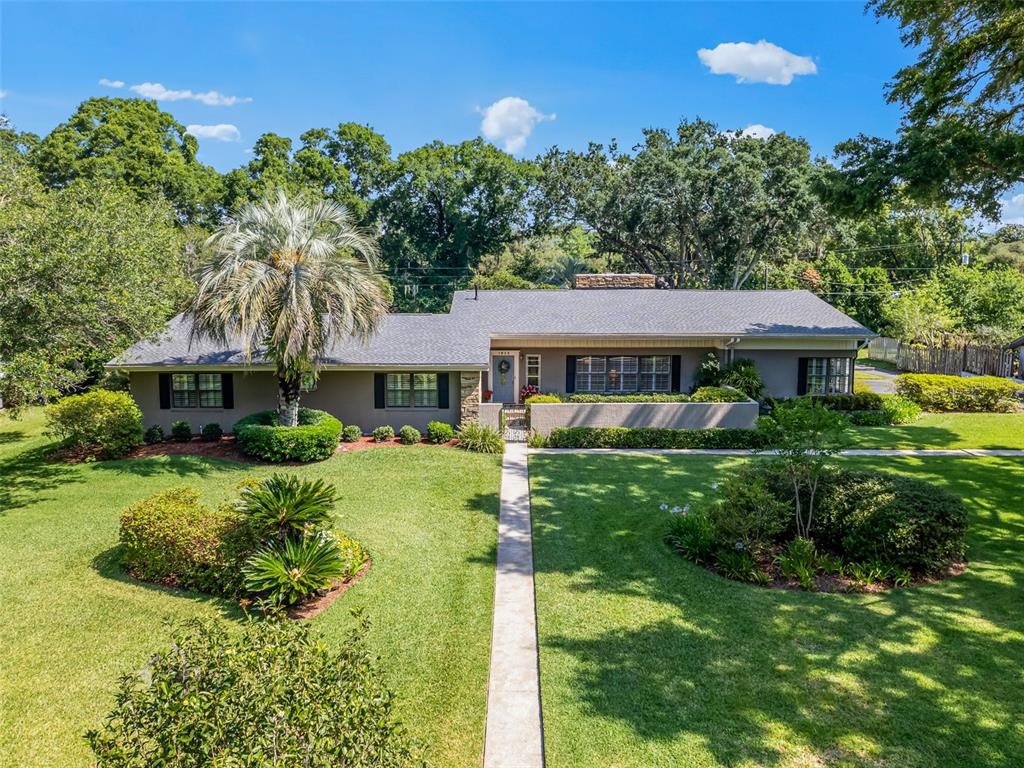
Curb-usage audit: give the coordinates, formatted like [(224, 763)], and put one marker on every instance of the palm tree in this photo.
[(288, 277)]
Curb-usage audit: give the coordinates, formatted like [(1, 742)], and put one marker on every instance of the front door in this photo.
[(503, 377)]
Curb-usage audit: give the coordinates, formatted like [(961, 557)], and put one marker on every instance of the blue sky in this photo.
[(560, 74)]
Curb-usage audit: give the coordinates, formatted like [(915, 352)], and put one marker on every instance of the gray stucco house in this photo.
[(605, 335)]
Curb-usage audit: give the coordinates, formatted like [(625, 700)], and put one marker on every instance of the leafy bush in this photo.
[(383, 433), (740, 565), (285, 504), (748, 515), (438, 432), (718, 395), (857, 401), (635, 397), (799, 561), (153, 435), (474, 436), (101, 418), (900, 410), (935, 392), (527, 391), (903, 521), (211, 432), (868, 418), (171, 537), (653, 437), (709, 372), (295, 569), (742, 374), (409, 435), (181, 431), (351, 433), (314, 439), (271, 693), (691, 534), (536, 440)]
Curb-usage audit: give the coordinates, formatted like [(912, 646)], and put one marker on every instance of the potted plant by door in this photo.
[(487, 395)]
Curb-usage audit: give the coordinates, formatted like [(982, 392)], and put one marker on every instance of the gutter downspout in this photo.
[(731, 353)]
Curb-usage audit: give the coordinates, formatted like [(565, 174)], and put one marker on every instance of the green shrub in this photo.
[(718, 395), (691, 535), (295, 569), (181, 431), (314, 439), (903, 521), (935, 392), (384, 433), (546, 397), (799, 561), (740, 565), (211, 432), (409, 435), (748, 514), (352, 433), (653, 437), (270, 693), (286, 504), (474, 436), (900, 410), (635, 397), (536, 440), (868, 418), (108, 420), (709, 372), (170, 537), (742, 374), (856, 401), (153, 435), (438, 432)]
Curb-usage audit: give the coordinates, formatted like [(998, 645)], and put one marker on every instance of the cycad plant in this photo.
[(292, 570), (286, 278), (285, 504)]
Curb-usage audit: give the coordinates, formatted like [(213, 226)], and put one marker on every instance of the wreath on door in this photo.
[(503, 368)]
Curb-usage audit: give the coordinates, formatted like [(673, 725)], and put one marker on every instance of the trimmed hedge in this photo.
[(718, 395), (858, 401), (936, 392), (651, 437), (636, 397), (314, 439)]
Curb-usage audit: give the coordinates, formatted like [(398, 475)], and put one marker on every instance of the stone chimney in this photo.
[(613, 280)]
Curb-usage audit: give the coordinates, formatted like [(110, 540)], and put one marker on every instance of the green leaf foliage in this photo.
[(936, 392), (440, 432), (479, 438), (283, 505), (653, 437), (295, 569), (314, 439), (110, 420)]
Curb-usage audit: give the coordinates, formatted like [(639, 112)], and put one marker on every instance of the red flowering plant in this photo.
[(528, 390), (487, 395)]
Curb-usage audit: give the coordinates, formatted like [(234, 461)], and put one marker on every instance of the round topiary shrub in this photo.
[(352, 433), (383, 433), (181, 431), (153, 435), (314, 439), (409, 435), (439, 432), (211, 432), (108, 420)]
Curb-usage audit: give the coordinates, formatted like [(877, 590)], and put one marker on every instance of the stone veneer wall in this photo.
[(610, 280), (469, 396)]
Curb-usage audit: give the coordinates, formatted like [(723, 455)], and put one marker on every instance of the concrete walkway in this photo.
[(963, 452), (879, 380), (514, 738)]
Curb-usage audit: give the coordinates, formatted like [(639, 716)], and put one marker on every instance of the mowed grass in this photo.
[(72, 622), (648, 660), (947, 430)]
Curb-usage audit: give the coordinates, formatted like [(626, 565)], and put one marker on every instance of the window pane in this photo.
[(183, 381), (839, 375), (209, 381), (590, 374), (183, 387), (621, 374), (425, 390), (211, 398), (399, 390), (655, 373), (533, 370)]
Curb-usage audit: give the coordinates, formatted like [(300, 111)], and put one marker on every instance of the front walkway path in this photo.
[(975, 452), (513, 738)]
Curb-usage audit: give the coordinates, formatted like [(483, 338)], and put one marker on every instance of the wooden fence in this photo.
[(969, 358)]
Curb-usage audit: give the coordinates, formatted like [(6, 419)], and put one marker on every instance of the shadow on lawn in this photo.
[(922, 676), (25, 476), (183, 465)]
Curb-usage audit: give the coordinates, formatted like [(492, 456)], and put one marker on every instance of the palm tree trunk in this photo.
[(288, 401)]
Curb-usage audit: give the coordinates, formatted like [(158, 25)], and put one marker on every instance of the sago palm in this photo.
[(286, 278)]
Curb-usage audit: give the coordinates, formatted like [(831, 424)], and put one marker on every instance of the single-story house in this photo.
[(611, 333)]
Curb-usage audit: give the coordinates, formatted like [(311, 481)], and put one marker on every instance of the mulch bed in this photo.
[(830, 582), (365, 443), (320, 604)]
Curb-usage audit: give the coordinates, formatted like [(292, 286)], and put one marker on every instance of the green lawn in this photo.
[(72, 622), (648, 660), (947, 430)]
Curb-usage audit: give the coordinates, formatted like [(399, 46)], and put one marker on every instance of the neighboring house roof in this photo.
[(462, 337), (1016, 343)]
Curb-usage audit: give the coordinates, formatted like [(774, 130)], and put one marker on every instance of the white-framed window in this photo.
[(829, 375), (533, 370), (197, 390), (624, 373), (410, 390)]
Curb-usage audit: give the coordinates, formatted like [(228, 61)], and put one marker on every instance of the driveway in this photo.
[(878, 380)]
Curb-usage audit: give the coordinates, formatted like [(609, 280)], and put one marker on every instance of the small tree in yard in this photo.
[(806, 436), (289, 278)]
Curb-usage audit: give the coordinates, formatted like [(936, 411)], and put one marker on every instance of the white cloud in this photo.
[(210, 98), (111, 83), (511, 120), (1013, 210), (758, 131), (219, 132), (3, 93), (760, 62)]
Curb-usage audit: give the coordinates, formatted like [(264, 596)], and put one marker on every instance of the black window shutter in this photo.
[(378, 390), (165, 391), (570, 374), (801, 376), (443, 396), (677, 372), (227, 390)]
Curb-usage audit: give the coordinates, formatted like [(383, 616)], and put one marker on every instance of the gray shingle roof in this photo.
[(462, 337)]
